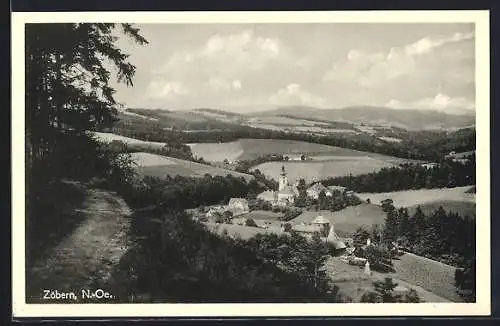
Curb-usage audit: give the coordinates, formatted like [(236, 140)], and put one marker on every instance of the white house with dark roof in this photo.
[(238, 206), (314, 190)]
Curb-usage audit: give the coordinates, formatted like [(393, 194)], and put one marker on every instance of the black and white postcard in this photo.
[(197, 164)]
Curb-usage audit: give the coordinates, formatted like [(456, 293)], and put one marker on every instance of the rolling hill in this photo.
[(161, 166), (313, 171), (245, 149), (409, 119), (408, 198), (348, 220)]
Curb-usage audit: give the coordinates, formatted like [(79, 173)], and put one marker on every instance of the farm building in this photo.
[(429, 165), (238, 206), (316, 189), (334, 189), (334, 239), (215, 210), (268, 195)]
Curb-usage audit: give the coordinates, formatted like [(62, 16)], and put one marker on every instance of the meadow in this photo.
[(153, 165), (245, 149), (348, 220), (408, 198), (109, 137), (312, 171), (431, 275)]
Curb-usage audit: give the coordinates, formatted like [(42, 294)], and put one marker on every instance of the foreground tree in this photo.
[(67, 81)]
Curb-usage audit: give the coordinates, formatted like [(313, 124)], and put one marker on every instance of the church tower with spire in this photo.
[(283, 181)]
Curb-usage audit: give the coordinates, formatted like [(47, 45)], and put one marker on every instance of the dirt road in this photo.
[(84, 259)]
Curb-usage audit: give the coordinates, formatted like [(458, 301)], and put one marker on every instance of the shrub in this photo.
[(251, 222)]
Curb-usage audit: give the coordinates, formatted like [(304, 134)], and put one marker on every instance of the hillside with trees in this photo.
[(446, 173)]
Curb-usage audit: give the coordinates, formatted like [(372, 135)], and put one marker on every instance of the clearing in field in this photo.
[(408, 198), (348, 220), (161, 166), (313, 171)]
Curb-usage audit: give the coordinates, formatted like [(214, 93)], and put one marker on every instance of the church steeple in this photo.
[(283, 181)]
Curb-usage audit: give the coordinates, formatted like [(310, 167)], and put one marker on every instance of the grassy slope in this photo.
[(161, 166), (349, 219), (408, 198), (318, 170)]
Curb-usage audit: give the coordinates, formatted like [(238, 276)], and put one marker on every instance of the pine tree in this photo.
[(404, 226), (391, 225)]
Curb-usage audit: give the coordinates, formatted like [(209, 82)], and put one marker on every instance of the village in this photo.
[(239, 220)]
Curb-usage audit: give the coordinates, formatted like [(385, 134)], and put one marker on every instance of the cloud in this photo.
[(440, 102), (158, 89), (228, 54), (293, 94), (220, 84), (369, 69), (419, 69), (427, 44)]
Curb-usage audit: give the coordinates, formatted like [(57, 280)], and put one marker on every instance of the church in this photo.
[(286, 193)]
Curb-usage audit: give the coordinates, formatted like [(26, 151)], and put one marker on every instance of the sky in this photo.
[(250, 67)]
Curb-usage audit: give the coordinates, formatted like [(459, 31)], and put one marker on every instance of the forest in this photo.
[(418, 148), (446, 173), (441, 236)]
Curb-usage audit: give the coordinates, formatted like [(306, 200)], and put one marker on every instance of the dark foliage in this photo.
[(411, 176)]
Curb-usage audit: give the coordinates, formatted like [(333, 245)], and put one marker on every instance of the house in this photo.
[(215, 210), (334, 239), (238, 206), (334, 189), (429, 165), (323, 224), (268, 195), (316, 189), (306, 228), (239, 220)]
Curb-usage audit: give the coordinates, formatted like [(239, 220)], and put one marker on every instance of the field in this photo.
[(317, 170), (408, 198), (160, 166), (353, 282), (431, 275), (244, 149), (348, 220), (263, 215), (109, 137), (245, 232)]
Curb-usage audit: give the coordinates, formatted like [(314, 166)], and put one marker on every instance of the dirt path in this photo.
[(85, 258)]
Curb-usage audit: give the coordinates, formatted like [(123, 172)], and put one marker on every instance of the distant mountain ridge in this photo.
[(411, 119)]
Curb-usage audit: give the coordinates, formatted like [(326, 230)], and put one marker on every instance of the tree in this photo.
[(67, 81), (360, 237), (250, 222), (385, 290), (465, 281), (411, 297), (391, 225), (404, 225)]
